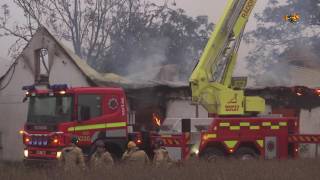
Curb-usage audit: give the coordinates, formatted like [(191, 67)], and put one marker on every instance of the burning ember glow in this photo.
[(156, 119), (318, 91)]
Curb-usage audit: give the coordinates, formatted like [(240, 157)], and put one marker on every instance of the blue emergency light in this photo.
[(58, 87), (29, 88)]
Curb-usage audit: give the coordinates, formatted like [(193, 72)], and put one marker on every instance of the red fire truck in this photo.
[(57, 113)]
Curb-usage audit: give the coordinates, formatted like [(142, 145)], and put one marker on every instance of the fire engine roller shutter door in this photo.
[(270, 147)]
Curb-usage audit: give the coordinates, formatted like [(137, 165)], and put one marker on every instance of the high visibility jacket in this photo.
[(135, 156), (72, 158), (103, 160), (161, 157)]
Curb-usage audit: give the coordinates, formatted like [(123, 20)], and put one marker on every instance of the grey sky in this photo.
[(212, 8)]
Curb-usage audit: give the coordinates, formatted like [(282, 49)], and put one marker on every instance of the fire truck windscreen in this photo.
[(50, 109)]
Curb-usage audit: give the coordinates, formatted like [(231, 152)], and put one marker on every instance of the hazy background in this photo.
[(212, 8)]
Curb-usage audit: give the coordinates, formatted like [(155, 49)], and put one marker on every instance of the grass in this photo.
[(192, 170)]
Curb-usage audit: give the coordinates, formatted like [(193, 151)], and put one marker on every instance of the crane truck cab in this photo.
[(57, 112)]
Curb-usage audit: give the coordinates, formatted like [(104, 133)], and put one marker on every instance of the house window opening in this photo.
[(42, 75)]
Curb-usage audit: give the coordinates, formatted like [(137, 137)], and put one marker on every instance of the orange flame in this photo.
[(156, 119)]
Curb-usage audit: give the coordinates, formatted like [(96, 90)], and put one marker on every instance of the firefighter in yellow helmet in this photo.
[(134, 155), (161, 156), (72, 157), (101, 159)]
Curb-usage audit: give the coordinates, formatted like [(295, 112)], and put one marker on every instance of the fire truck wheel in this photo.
[(245, 153), (212, 154)]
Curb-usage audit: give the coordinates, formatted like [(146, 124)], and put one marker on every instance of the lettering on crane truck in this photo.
[(248, 8), (232, 107)]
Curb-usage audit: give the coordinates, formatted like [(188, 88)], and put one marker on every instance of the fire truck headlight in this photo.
[(26, 153), (196, 151), (58, 154)]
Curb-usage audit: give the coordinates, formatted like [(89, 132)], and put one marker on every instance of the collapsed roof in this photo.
[(95, 78), (299, 75)]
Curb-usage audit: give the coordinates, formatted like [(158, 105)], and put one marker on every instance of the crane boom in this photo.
[(211, 79)]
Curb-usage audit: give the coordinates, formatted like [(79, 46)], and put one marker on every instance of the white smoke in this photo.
[(281, 71), (146, 62)]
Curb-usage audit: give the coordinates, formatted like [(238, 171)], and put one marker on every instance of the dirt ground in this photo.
[(306, 169)]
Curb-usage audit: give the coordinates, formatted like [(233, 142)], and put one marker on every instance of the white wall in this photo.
[(13, 112), (65, 72), (183, 109)]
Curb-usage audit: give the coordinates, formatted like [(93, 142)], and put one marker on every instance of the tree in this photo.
[(87, 24), (276, 39), (116, 35), (154, 38)]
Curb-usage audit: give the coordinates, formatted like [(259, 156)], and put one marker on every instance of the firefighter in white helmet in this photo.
[(134, 155)]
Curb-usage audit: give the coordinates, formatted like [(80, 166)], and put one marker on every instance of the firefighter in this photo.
[(161, 156), (72, 157), (134, 155), (101, 159)]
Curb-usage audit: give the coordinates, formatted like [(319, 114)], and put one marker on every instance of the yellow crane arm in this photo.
[(210, 81)]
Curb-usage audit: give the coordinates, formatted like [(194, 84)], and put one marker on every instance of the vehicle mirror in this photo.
[(84, 113)]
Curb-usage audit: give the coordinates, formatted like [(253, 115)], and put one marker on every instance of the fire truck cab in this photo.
[(57, 112)]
